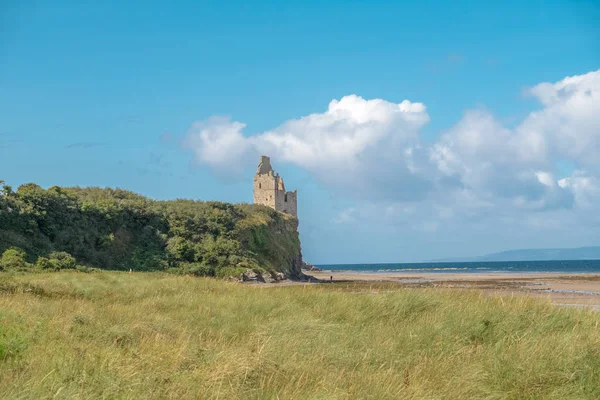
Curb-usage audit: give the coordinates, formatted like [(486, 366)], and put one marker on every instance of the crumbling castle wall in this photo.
[(269, 189)]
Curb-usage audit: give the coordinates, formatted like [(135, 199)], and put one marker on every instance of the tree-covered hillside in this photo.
[(118, 229)]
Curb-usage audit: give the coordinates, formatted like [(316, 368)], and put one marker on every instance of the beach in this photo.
[(570, 289)]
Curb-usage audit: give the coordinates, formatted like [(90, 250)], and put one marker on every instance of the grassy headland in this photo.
[(116, 229), (155, 336)]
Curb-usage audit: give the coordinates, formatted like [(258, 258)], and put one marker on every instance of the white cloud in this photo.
[(569, 123), (219, 143), (345, 216), (500, 163), (545, 178), (585, 188), (361, 145), (478, 167), (343, 140)]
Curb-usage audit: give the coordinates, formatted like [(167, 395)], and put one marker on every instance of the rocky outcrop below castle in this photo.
[(276, 243), (306, 266)]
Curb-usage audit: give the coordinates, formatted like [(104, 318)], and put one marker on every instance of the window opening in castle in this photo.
[(260, 185), (285, 198)]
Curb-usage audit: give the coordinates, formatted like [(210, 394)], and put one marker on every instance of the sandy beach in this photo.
[(565, 289)]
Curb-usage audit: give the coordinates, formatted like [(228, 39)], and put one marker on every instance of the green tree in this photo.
[(44, 263), (13, 258), (62, 260)]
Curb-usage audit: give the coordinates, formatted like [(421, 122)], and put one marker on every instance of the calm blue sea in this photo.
[(562, 266)]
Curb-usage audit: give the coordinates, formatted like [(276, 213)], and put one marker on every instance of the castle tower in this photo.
[(269, 189)]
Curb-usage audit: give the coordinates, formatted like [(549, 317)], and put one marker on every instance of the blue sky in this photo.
[(119, 94)]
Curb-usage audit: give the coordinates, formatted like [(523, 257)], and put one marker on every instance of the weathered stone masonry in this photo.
[(269, 189)]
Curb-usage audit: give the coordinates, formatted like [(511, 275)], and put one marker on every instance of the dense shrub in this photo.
[(197, 268), (118, 229), (13, 258), (62, 260), (56, 261), (43, 263)]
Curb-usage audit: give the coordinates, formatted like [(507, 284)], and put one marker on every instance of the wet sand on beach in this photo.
[(575, 289)]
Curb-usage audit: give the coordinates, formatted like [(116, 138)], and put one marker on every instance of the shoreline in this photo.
[(568, 289), (393, 275)]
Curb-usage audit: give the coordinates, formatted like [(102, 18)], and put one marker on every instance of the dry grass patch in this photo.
[(154, 336)]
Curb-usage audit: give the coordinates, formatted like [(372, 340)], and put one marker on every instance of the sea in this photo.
[(557, 266)]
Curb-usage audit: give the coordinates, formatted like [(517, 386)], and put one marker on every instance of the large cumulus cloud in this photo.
[(372, 149)]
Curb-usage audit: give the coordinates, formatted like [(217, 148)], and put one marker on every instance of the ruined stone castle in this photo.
[(269, 189)]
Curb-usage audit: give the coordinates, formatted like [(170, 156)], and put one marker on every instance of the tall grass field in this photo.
[(110, 335)]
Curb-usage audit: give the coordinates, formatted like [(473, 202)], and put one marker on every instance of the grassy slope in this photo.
[(151, 336), (272, 238), (117, 229)]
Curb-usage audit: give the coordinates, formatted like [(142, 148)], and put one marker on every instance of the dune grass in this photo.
[(156, 336)]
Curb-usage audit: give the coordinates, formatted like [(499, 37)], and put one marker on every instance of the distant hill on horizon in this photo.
[(578, 253)]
